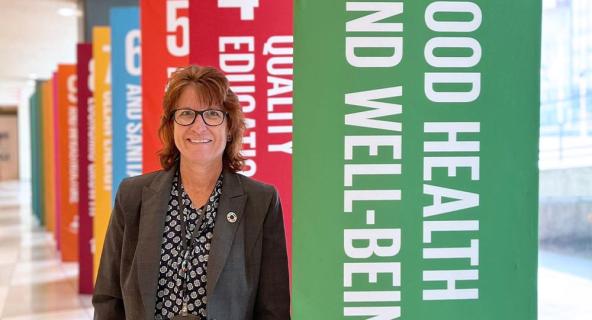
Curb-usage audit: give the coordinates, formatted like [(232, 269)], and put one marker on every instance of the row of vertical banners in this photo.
[(95, 123), (416, 127)]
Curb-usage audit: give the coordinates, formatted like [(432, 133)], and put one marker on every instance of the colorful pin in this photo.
[(231, 217)]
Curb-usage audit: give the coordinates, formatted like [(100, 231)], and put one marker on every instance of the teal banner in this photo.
[(415, 159), (36, 153)]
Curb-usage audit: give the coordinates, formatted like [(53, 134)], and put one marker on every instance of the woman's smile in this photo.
[(199, 140)]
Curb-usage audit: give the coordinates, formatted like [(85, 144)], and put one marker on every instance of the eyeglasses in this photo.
[(211, 117)]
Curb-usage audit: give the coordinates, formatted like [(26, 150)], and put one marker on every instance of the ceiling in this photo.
[(34, 38)]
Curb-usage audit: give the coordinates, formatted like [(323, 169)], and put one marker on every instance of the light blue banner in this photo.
[(127, 94)]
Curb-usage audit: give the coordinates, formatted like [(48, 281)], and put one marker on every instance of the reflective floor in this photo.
[(34, 284), (565, 287)]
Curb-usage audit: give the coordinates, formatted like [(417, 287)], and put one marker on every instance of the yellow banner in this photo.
[(102, 137), (48, 140)]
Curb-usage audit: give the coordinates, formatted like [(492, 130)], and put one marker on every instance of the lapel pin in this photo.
[(231, 217)]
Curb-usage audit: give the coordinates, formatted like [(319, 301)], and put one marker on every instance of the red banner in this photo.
[(85, 160), (165, 47), (251, 42)]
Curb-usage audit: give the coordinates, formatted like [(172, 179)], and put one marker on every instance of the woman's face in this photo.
[(199, 143)]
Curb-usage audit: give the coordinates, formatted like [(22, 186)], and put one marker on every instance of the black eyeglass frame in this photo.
[(200, 113)]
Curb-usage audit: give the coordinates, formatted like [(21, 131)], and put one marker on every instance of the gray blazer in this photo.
[(247, 266)]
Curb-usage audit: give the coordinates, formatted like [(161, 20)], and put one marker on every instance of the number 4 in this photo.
[(247, 7)]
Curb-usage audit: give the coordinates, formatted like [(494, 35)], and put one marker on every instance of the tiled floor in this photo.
[(34, 284)]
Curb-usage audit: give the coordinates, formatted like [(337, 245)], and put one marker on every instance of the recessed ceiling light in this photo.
[(68, 12)]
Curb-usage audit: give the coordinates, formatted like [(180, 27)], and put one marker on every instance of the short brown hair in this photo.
[(213, 87)]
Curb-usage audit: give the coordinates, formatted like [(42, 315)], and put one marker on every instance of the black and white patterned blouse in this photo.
[(169, 300)]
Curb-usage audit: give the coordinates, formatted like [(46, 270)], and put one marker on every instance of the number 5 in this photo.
[(174, 22), (247, 7)]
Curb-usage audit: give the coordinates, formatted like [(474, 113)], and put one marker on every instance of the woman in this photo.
[(195, 239)]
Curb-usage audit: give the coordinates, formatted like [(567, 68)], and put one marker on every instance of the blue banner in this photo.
[(127, 94)]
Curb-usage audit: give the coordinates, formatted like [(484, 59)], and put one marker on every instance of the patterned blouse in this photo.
[(169, 296)]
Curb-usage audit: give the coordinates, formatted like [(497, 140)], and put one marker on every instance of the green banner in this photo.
[(415, 159), (36, 153)]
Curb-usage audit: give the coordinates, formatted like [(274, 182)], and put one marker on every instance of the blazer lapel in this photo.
[(155, 199), (233, 199)]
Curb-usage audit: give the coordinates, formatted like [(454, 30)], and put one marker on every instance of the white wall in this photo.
[(24, 132)]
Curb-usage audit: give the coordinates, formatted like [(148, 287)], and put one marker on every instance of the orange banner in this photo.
[(165, 47), (67, 160)]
